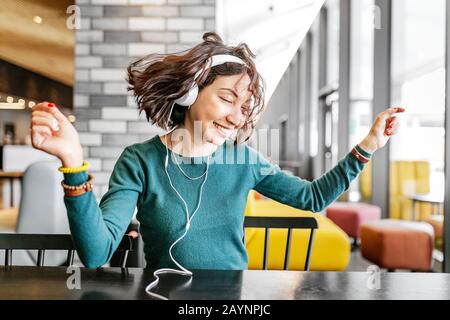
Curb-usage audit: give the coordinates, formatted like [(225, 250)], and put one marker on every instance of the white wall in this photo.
[(273, 29)]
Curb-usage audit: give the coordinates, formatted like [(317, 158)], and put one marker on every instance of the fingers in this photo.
[(388, 113), (44, 120), (41, 130), (392, 128), (38, 134), (51, 109), (391, 111)]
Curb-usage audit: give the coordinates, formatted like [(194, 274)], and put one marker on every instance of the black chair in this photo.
[(283, 223), (42, 242)]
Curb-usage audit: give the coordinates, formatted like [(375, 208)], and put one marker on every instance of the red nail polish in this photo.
[(50, 105)]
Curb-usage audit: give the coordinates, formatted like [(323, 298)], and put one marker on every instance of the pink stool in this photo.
[(349, 216)]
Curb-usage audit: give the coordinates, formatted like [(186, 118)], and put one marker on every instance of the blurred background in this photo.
[(329, 66)]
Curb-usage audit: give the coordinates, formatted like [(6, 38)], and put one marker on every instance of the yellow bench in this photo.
[(406, 178), (331, 247)]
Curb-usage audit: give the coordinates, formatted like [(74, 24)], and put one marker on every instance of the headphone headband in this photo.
[(189, 98), (224, 58)]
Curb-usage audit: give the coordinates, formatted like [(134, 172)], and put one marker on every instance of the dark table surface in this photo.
[(116, 283)]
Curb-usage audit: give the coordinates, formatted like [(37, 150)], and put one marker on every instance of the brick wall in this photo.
[(113, 33)]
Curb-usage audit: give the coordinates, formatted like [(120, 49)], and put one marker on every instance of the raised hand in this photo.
[(384, 126), (53, 133)]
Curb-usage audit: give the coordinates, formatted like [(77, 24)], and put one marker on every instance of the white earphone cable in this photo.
[(182, 171), (183, 271)]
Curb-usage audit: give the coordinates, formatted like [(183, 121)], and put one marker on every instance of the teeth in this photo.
[(221, 128)]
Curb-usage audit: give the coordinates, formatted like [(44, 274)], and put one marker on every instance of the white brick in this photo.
[(88, 62), (210, 24), (178, 47), (89, 36), (143, 127), (81, 75), (108, 74), (139, 23), (90, 139), (82, 49), (81, 101), (95, 164), (109, 23), (109, 49), (184, 24), (118, 113), (153, 2), (109, 2), (185, 1), (197, 11), (85, 151), (106, 152), (140, 49), (101, 177), (85, 24), (108, 164), (107, 126), (160, 37), (131, 102), (191, 36), (119, 88), (160, 11)]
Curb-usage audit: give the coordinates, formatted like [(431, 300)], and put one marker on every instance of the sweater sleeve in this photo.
[(315, 195), (97, 229)]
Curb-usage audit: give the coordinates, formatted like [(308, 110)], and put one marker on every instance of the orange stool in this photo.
[(396, 244)]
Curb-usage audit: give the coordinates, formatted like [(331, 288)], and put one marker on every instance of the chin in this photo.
[(216, 139)]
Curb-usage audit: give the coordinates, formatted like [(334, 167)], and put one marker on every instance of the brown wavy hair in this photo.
[(158, 79)]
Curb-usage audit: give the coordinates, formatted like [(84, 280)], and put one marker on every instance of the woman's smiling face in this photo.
[(221, 107)]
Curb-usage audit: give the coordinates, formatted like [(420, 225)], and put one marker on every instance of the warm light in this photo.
[(37, 19), (72, 118), (21, 101), (10, 99), (11, 106), (31, 104)]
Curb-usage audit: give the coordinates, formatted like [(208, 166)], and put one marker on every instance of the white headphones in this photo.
[(187, 100)]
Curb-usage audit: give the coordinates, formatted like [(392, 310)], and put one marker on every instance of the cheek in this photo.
[(214, 111)]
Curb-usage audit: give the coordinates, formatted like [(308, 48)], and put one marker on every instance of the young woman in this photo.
[(190, 197)]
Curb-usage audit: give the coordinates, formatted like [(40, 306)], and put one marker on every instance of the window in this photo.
[(418, 84), (361, 86)]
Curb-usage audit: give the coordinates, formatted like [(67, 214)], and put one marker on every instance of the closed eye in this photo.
[(226, 100)]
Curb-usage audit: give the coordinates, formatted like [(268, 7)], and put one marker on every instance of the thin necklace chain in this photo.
[(182, 171)]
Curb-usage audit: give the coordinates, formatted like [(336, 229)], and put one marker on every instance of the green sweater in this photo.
[(214, 240)]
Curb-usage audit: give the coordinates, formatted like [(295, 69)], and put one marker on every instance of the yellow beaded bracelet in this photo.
[(75, 170)]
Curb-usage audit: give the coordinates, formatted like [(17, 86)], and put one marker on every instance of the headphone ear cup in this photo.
[(189, 98)]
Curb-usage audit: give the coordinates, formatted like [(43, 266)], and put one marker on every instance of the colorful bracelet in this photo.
[(359, 156), (75, 170), (72, 191)]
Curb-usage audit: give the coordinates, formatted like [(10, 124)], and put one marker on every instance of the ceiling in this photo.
[(46, 48)]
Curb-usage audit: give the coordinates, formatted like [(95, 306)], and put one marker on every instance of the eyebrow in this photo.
[(231, 90)]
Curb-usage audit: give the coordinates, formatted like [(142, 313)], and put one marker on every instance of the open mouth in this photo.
[(223, 131)]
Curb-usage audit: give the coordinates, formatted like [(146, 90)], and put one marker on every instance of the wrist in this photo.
[(72, 160), (369, 145)]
